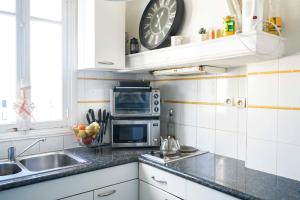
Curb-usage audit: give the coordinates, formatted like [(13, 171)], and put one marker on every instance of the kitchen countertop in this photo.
[(97, 158), (231, 177), (217, 172)]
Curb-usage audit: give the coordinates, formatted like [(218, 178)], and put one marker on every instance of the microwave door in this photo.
[(131, 134)]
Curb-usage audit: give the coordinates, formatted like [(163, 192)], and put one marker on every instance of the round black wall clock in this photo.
[(160, 20)]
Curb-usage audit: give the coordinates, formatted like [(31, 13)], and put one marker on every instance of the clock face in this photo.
[(160, 20)]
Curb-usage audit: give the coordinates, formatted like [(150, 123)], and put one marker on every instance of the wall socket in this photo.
[(229, 102), (240, 102)]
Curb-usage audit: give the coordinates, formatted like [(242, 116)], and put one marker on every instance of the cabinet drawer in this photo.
[(123, 191), (163, 180), (84, 196), (149, 192), (194, 191)]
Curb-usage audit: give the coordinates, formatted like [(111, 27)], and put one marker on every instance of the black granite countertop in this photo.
[(232, 177), (217, 172), (97, 158)]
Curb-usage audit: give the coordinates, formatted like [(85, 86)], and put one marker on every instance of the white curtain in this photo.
[(235, 9)]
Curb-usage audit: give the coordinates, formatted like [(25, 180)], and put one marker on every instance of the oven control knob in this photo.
[(156, 96), (156, 102), (156, 109)]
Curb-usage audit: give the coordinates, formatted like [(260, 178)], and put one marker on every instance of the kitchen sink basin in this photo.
[(7, 169), (50, 161)]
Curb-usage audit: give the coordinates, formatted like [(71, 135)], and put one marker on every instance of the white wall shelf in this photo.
[(232, 51)]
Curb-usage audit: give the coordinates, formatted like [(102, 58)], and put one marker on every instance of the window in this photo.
[(33, 63)]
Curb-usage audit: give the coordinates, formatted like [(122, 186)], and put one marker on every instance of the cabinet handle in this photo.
[(106, 63), (108, 193), (159, 181)]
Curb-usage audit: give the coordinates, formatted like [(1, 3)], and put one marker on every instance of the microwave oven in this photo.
[(135, 132), (135, 102)]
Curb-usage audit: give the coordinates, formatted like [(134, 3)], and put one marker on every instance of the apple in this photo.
[(87, 140), (81, 127), (89, 130), (81, 134)]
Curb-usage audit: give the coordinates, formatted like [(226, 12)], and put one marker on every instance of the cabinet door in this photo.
[(123, 191), (84, 196), (194, 191), (149, 192), (110, 34), (101, 34)]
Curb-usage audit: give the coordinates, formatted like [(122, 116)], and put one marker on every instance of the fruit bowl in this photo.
[(88, 136)]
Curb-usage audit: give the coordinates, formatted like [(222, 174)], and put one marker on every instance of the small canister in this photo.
[(134, 46), (229, 26)]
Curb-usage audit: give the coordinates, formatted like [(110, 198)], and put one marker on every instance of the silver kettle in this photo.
[(169, 146)]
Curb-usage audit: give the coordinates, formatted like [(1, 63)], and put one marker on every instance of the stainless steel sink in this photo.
[(7, 169), (40, 163), (50, 161)]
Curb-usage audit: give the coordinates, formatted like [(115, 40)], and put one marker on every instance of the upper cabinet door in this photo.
[(101, 34)]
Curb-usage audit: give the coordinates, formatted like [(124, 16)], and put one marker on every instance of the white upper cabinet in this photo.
[(101, 35)]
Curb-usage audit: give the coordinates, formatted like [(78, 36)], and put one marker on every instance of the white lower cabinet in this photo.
[(123, 191), (79, 187), (149, 192), (194, 191), (156, 184), (84, 196), (168, 182)]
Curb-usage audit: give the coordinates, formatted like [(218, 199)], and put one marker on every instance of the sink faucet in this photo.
[(12, 150)]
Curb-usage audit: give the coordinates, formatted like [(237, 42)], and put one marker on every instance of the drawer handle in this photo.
[(159, 181), (108, 193), (106, 63)]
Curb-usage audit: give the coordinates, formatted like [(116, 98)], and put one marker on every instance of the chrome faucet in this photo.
[(12, 150)]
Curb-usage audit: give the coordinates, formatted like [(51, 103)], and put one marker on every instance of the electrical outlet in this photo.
[(240, 102), (229, 102)]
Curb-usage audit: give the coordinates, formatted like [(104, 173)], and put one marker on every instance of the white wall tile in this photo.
[(206, 116), (188, 114), (270, 65), (287, 95), (288, 161), (242, 120), (206, 139), (227, 87), (52, 144), (98, 90), (262, 124), (3, 149), (289, 126), (263, 90), (243, 87), (226, 144), (261, 155), (227, 118), (207, 90), (187, 135), (22, 144), (289, 62), (242, 146)]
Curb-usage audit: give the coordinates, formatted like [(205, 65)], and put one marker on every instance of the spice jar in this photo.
[(229, 25)]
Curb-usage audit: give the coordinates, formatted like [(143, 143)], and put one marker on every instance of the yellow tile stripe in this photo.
[(274, 72), (274, 107), (194, 102)]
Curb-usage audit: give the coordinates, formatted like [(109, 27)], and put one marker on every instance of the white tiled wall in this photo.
[(267, 138), (214, 128)]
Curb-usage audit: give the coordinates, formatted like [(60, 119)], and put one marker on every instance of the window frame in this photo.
[(68, 22)]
